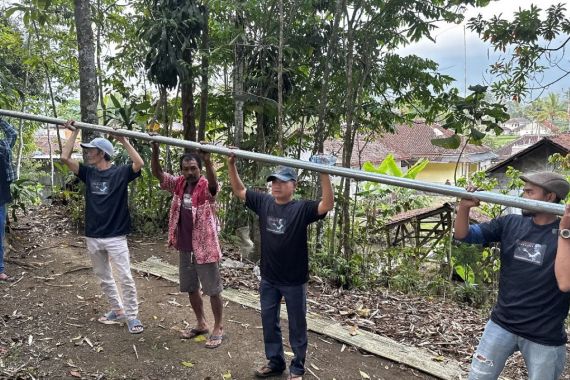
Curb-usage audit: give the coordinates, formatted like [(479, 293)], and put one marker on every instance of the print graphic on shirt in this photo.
[(276, 225), (187, 201), (100, 187), (530, 252)]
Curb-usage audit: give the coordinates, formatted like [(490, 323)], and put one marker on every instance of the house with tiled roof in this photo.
[(409, 144), (533, 157), (521, 126)]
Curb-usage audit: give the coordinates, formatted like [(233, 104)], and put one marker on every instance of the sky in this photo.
[(456, 46)]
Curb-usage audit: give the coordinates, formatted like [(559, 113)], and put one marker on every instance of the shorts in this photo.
[(193, 275)]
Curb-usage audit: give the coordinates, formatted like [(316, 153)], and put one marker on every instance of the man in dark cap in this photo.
[(284, 261), (534, 279)]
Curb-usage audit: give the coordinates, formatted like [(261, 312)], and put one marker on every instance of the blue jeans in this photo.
[(497, 344), (2, 227), (296, 301)]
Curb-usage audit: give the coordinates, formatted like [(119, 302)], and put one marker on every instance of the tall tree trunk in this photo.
[(348, 139), (187, 96), (320, 135), (280, 83), (87, 70), (48, 79), (238, 80), (99, 67), (205, 68), (23, 109)]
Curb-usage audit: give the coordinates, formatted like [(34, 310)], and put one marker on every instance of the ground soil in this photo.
[(49, 328)]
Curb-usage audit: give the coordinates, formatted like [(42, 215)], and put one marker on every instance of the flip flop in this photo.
[(5, 278), (112, 318), (212, 338), (193, 333), (135, 326)]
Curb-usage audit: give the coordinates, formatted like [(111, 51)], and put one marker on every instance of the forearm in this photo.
[(135, 157), (562, 264), (237, 185), (327, 201), (67, 149), (155, 167), (211, 175), (461, 223)]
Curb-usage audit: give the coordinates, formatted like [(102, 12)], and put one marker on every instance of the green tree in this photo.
[(549, 109), (531, 44)]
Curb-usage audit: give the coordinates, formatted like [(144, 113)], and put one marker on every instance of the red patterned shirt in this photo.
[(205, 224)]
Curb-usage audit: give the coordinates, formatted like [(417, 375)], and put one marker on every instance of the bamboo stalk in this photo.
[(485, 196)]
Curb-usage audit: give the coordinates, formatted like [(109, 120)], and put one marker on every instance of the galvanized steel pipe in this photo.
[(459, 192)]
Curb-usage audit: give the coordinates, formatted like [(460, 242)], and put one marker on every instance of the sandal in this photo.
[(135, 326), (5, 278), (214, 338), (112, 318), (267, 371), (193, 333)]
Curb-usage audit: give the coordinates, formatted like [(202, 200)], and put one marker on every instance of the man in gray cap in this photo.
[(284, 265), (534, 279), (107, 221)]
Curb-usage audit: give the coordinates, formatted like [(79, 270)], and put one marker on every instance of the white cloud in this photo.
[(456, 46)]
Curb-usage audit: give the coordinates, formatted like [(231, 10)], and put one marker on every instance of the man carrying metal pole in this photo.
[(7, 175), (107, 221), (284, 261), (534, 282), (193, 231)]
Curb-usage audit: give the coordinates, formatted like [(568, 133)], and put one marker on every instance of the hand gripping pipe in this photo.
[(459, 192)]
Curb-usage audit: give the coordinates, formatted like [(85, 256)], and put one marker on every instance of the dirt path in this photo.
[(48, 326)]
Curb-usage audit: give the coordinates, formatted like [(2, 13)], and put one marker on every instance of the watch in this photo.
[(564, 233)]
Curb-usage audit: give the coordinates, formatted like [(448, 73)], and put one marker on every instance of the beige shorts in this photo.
[(193, 275)]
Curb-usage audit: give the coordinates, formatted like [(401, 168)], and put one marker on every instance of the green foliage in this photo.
[(531, 43), (25, 192), (171, 30), (473, 117)]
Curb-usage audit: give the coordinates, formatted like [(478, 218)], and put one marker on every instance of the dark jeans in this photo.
[(2, 227), (296, 301)]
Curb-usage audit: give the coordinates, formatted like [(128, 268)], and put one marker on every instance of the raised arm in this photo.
[(67, 149), (462, 218), (138, 162), (210, 172), (238, 188), (327, 201), (155, 167), (10, 134), (562, 262)]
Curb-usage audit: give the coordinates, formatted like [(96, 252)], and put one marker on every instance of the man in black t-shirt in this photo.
[(284, 261), (534, 279), (107, 222)]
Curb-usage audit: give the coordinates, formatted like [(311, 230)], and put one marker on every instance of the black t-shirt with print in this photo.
[(284, 251), (106, 200), (529, 303)]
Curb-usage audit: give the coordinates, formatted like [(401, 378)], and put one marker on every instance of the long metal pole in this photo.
[(459, 192)]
